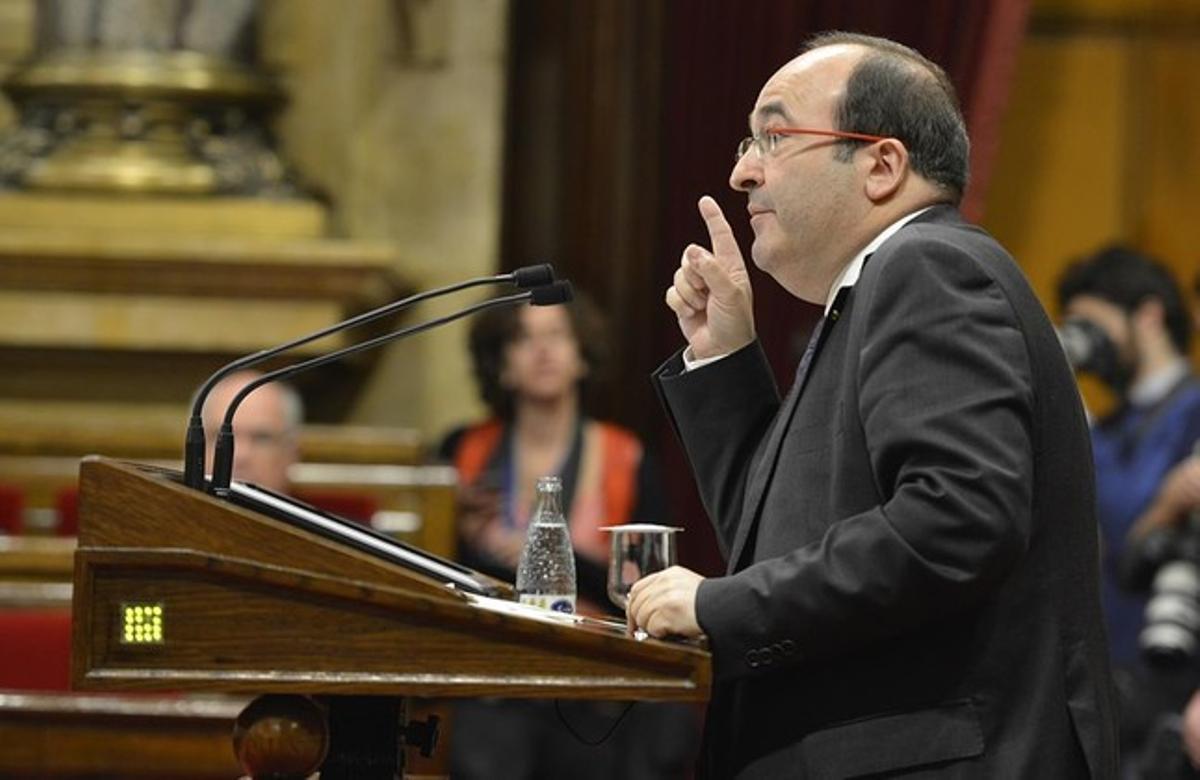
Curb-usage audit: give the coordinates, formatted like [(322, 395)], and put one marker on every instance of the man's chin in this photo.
[(765, 256)]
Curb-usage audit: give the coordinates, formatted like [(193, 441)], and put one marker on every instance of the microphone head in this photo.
[(551, 294), (533, 276)]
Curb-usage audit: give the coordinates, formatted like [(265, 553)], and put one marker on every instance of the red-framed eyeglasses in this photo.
[(766, 141)]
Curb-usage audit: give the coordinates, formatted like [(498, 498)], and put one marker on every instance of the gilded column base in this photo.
[(142, 122)]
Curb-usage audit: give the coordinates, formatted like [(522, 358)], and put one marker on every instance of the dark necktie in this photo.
[(809, 351)]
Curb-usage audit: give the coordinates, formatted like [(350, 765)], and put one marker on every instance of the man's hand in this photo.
[(1178, 495), (1181, 489), (477, 507), (711, 294), (479, 525), (1191, 730), (664, 603)]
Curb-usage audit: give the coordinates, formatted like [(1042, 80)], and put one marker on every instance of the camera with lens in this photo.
[(1087, 346), (1166, 562)]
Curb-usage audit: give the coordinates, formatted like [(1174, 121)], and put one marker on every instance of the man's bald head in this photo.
[(266, 428)]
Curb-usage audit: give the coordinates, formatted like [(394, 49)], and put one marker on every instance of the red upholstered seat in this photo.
[(35, 652), (66, 506), (35, 643), (12, 509)]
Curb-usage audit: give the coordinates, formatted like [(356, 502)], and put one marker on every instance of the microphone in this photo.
[(551, 294), (532, 276), (527, 277)]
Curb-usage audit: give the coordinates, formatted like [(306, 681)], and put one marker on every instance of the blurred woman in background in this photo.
[(538, 368)]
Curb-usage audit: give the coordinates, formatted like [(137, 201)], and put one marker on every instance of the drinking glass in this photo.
[(638, 549)]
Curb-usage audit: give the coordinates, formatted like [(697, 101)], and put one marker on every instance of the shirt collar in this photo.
[(1154, 388), (849, 275)]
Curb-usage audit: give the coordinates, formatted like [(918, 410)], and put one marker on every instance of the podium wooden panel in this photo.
[(48, 735), (250, 603)]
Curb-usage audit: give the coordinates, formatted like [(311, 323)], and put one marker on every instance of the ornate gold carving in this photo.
[(126, 112)]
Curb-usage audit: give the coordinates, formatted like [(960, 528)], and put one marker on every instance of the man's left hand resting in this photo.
[(664, 603)]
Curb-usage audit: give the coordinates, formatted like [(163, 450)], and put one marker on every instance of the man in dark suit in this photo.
[(912, 555)]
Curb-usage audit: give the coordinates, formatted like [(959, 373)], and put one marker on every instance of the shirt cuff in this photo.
[(692, 363)]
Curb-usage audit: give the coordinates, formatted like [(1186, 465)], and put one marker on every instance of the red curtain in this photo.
[(622, 113), (718, 54)]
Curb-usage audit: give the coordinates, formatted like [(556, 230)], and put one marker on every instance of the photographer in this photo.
[(1125, 322), (1167, 530)]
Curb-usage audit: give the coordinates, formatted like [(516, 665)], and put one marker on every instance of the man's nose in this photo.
[(747, 172)]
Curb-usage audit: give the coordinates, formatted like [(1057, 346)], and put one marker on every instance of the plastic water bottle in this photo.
[(546, 572)]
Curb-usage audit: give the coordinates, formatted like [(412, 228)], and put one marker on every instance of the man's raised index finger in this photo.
[(723, 242)]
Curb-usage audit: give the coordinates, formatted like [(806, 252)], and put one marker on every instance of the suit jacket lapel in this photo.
[(761, 471), (764, 468)]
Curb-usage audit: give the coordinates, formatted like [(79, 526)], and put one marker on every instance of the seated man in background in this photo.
[(1139, 332), (266, 429)]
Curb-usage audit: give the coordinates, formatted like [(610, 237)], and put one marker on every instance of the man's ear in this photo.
[(886, 164)]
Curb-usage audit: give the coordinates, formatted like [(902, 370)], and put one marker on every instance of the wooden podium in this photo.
[(176, 590)]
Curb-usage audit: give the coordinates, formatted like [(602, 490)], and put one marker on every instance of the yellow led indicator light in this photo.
[(142, 624)]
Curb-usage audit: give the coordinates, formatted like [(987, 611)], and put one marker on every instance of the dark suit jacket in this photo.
[(912, 549)]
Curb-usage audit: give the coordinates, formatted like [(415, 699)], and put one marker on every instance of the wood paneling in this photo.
[(1058, 189), (69, 736), (356, 624), (1126, 12), (1167, 153), (1099, 144)]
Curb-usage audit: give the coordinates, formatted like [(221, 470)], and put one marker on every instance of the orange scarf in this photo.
[(606, 487)]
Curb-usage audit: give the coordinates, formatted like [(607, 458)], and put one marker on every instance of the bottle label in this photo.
[(556, 602)]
